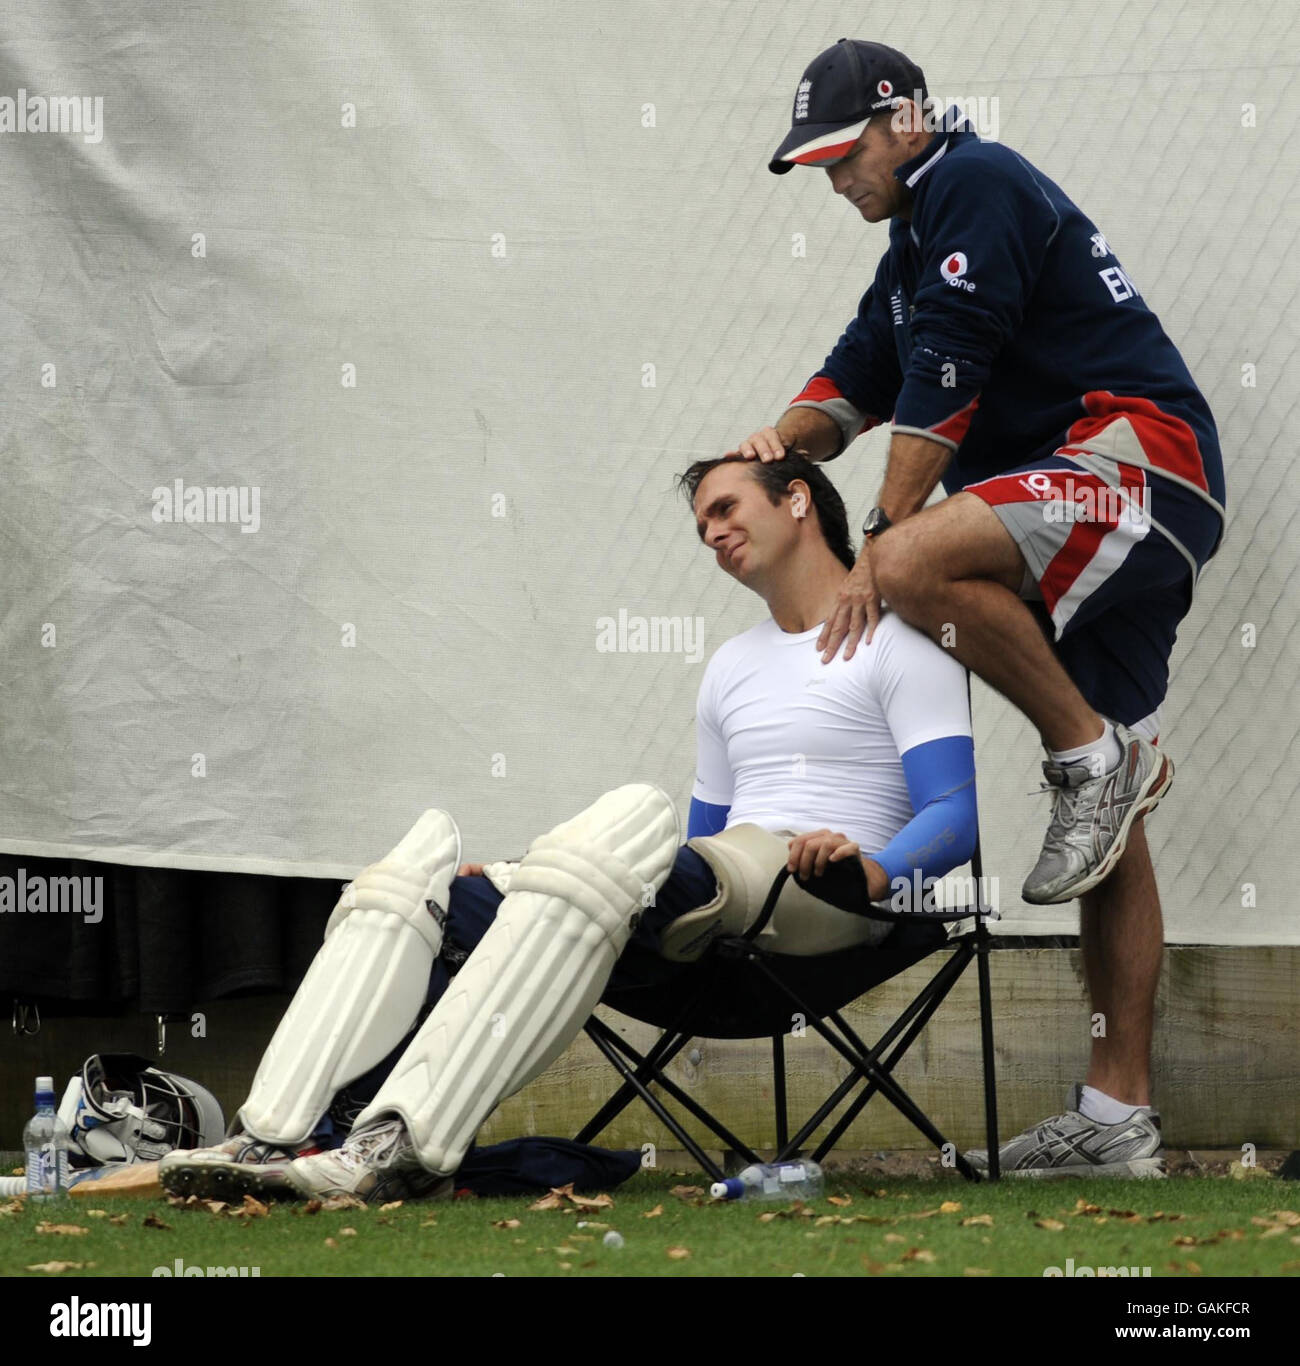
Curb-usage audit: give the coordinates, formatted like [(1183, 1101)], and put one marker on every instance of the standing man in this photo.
[(1017, 363)]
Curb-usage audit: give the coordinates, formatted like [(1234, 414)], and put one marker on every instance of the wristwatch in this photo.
[(876, 522)]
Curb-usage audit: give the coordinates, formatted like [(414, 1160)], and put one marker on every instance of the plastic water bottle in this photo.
[(45, 1145), (800, 1179)]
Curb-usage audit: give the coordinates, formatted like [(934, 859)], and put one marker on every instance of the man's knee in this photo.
[(962, 537), (904, 577)]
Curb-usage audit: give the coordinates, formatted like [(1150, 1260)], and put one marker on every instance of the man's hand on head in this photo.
[(766, 444)]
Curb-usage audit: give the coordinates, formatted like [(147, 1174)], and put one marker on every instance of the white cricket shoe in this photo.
[(377, 1163)]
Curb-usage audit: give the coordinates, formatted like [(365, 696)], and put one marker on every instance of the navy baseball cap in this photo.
[(841, 89)]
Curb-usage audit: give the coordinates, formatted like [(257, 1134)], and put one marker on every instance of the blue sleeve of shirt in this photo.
[(706, 818), (941, 835)]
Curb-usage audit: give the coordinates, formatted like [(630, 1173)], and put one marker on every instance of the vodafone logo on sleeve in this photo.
[(953, 269)]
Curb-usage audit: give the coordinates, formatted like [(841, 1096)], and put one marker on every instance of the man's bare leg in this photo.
[(955, 565), (1121, 935)]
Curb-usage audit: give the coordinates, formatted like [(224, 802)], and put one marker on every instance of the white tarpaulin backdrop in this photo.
[(451, 293)]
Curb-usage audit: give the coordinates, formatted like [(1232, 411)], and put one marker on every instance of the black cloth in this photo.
[(168, 938)]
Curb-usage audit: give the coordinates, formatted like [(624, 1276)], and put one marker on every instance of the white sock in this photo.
[(1103, 1108), (1106, 745)]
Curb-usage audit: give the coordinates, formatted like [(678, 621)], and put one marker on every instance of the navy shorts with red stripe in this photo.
[(1105, 581)]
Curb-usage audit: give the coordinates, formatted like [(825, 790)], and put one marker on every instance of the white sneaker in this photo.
[(240, 1166), (376, 1164), (1071, 1144)]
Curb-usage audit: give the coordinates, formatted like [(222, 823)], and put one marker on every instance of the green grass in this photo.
[(904, 1233)]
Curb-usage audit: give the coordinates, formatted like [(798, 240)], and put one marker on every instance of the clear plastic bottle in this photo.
[(45, 1146), (800, 1179)]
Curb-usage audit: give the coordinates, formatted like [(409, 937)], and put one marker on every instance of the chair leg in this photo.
[(611, 1046), (665, 1049), (983, 943), (778, 1088), (663, 1115), (868, 1064)]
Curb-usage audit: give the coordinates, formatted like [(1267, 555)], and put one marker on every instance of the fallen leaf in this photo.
[(56, 1267), (950, 1207), (895, 1238), (825, 1219), (1273, 1231), (216, 1206), (1287, 1216), (678, 1254), (392, 1204), (976, 1271), (653, 1213), (118, 1218), (843, 1201), (1194, 1268), (1081, 1206), (592, 1201), (687, 1192), (347, 1233), (566, 1251), (335, 1202), (329, 1242), (918, 1254), (565, 1266), (591, 1223), (153, 1221), (71, 1230), (1052, 1225), (251, 1209), (429, 1223), (983, 1220), (313, 1206), (505, 1223), (96, 1214), (551, 1201)]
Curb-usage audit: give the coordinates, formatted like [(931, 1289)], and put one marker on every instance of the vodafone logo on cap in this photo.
[(955, 266), (884, 89)]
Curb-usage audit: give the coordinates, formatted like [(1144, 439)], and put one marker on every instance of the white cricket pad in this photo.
[(538, 972), (746, 860), (364, 988)]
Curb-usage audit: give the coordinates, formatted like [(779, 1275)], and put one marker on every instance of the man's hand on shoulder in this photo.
[(857, 610)]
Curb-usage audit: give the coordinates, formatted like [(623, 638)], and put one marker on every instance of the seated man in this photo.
[(800, 764)]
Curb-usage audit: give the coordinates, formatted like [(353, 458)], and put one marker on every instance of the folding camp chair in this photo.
[(739, 990)]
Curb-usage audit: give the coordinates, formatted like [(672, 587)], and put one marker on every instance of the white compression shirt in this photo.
[(790, 743)]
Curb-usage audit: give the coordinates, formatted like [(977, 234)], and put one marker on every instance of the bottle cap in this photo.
[(731, 1189), (45, 1084)]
